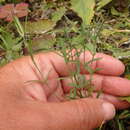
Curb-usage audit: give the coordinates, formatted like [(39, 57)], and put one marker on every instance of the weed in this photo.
[(72, 32)]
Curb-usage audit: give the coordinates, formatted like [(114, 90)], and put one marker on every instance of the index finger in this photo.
[(108, 64)]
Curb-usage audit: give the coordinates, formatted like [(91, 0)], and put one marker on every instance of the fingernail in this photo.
[(109, 111)]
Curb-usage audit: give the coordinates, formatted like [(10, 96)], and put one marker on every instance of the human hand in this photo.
[(28, 104)]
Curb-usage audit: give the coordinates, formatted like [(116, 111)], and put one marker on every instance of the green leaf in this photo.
[(115, 12), (127, 98), (19, 26), (73, 94), (102, 3), (45, 42), (107, 32), (2, 1), (121, 55), (124, 114), (127, 76), (90, 47), (85, 9), (17, 47), (57, 15), (40, 26), (93, 60), (8, 40)]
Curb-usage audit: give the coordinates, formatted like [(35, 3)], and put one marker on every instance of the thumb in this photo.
[(83, 114)]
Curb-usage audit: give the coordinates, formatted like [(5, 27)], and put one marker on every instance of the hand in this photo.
[(27, 103)]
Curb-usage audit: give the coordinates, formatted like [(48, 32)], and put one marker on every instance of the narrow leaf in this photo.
[(127, 98)]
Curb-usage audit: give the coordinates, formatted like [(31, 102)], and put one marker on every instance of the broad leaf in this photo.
[(102, 3), (43, 43), (57, 15), (40, 26), (115, 12), (85, 9), (2, 1)]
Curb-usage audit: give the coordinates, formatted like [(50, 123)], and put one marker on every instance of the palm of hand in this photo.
[(43, 85), (46, 87)]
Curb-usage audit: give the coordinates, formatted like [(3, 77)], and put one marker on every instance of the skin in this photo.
[(26, 104)]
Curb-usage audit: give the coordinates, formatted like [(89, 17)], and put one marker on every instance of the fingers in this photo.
[(108, 64), (75, 115), (72, 115), (108, 84), (116, 86), (112, 85), (119, 104)]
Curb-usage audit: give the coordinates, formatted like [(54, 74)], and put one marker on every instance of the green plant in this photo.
[(69, 27), (71, 44), (10, 45)]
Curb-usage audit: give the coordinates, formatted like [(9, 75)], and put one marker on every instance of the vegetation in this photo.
[(31, 26)]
